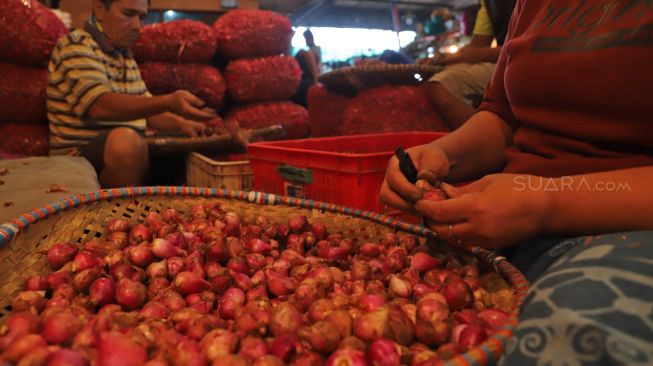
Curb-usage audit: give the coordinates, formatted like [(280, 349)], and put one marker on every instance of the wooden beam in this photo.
[(198, 5), (80, 11)]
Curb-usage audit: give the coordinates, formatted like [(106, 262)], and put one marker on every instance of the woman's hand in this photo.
[(396, 191), (495, 211)]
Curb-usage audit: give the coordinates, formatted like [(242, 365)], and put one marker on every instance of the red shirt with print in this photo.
[(575, 82)]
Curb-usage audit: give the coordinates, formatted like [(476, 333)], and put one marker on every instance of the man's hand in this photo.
[(471, 55), (427, 61), (185, 104), (465, 55), (444, 59), (494, 211), (172, 123), (192, 128), (452, 58)]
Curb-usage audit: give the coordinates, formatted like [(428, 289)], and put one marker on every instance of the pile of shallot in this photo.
[(215, 287)]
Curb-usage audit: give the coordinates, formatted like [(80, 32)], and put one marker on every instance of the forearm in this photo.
[(125, 107), (477, 147), (483, 54), (167, 122), (479, 40), (478, 50), (599, 203)]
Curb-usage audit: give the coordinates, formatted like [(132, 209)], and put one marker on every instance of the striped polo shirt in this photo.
[(84, 66)]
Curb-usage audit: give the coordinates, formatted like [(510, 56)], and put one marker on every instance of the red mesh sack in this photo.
[(244, 33), (184, 41), (28, 32), (203, 81), (392, 109), (22, 94), (326, 111), (30, 140), (292, 116), (263, 79)]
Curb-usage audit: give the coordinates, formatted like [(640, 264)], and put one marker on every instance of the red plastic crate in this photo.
[(345, 170)]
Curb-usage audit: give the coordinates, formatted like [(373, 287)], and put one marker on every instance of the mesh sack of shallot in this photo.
[(28, 32), (292, 116), (204, 81), (326, 111), (391, 109), (182, 41), (22, 94), (24, 140), (245, 33), (263, 79)]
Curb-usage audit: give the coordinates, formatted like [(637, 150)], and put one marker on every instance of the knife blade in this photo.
[(409, 170)]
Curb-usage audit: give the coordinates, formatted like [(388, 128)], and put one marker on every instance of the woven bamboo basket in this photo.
[(82, 217), (351, 80)]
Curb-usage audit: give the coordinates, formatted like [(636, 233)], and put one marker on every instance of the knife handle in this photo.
[(406, 165)]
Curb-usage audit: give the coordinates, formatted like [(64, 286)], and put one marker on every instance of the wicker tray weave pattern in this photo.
[(83, 217)]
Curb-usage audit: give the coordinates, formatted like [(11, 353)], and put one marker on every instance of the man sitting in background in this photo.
[(457, 90), (98, 105)]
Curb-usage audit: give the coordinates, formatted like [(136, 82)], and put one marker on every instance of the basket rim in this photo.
[(354, 79), (279, 145), (489, 350), (10, 229), (382, 67)]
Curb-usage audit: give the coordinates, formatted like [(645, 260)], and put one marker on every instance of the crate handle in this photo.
[(295, 175)]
